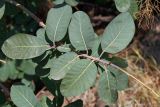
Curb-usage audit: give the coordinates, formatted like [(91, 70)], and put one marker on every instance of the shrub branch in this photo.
[(5, 89), (38, 20), (105, 63), (2, 61)]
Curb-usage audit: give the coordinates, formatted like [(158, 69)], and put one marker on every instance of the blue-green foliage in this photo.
[(69, 65)]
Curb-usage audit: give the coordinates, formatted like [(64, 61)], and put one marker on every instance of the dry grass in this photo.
[(145, 70), (146, 13)]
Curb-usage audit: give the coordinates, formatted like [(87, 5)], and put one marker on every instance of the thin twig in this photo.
[(109, 63), (76, 8), (136, 80), (40, 92), (67, 100), (95, 59), (4, 89), (102, 18), (38, 20), (2, 61)]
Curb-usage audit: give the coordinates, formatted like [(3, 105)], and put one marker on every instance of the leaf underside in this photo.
[(62, 65), (118, 34), (81, 32), (79, 78), (24, 46), (123, 5), (57, 22), (107, 87), (23, 96)]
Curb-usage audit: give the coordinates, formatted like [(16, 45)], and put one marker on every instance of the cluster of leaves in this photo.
[(15, 20), (67, 52)]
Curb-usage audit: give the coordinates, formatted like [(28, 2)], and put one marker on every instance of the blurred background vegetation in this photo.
[(143, 54)]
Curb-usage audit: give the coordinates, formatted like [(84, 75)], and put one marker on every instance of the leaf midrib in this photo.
[(115, 37), (106, 71), (82, 36), (81, 74), (69, 62), (25, 98), (57, 25)]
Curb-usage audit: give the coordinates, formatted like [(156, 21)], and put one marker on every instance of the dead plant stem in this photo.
[(130, 75)]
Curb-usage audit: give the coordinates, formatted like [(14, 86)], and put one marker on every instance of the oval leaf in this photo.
[(118, 33), (28, 67), (2, 8), (121, 78), (57, 2), (41, 34), (4, 70), (79, 78), (8, 71), (72, 2), (23, 96), (62, 65), (24, 46), (123, 5), (96, 45), (133, 8), (107, 87), (81, 32), (57, 22)]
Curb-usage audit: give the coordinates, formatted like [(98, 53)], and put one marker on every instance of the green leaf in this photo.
[(118, 33), (57, 2), (23, 96), (8, 70), (77, 103), (64, 48), (123, 5), (7, 105), (24, 46), (28, 82), (50, 63), (2, 8), (45, 102), (119, 62), (28, 67), (72, 2), (62, 65), (133, 8), (81, 32), (107, 87), (79, 78), (57, 22), (121, 78), (41, 34), (95, 47)]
